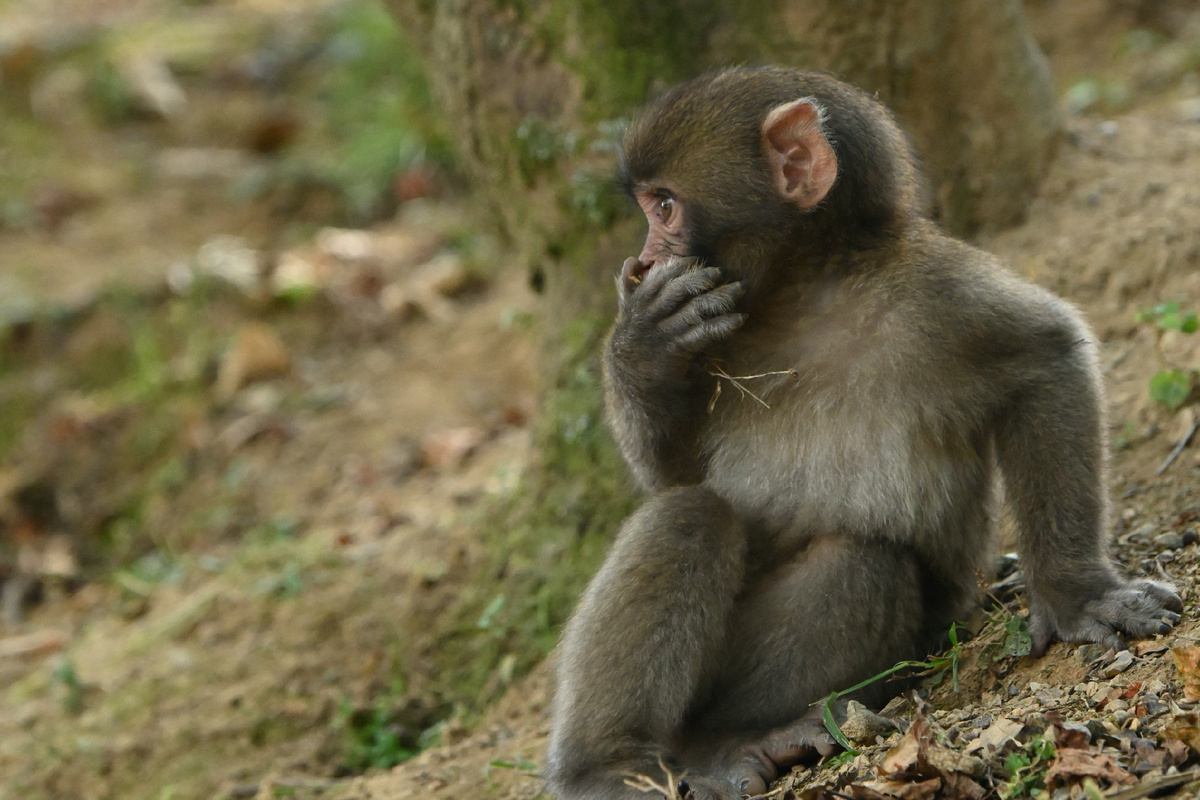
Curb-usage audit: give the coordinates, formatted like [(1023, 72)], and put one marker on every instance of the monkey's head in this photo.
[(757, 171)]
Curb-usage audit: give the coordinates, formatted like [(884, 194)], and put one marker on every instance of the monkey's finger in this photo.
[(1161, 593), (679, 290), (721, 300), (663, 272), (709, 331)]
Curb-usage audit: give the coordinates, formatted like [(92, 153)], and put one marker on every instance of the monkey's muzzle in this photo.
[(633, 272)]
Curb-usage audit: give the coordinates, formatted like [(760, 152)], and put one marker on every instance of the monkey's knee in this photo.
[(688, 518)]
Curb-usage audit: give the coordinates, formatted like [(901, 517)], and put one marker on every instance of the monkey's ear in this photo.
[(800, 156)]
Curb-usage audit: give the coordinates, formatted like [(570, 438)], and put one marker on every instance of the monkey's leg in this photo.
[(843, 610), (648, 635)]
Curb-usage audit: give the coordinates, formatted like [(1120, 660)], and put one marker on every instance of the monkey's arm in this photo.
[(655, 389), (1049, 439)]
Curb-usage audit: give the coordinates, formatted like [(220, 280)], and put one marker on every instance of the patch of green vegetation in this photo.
[(381, 118), (545, 538), (933, 665), (1027, 769), (1171, 386), (374, 739), (71, 688)]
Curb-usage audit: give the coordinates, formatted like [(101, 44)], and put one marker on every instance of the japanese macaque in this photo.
[(816, 387)]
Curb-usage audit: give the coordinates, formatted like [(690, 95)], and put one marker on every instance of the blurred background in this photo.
[(302, 460)]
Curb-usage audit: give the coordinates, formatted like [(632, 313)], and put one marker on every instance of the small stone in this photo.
[(1090, 653), (1141, 533), (1154, 706), (1122, 662), (862, 725), (1189, 537), (1169, 541)]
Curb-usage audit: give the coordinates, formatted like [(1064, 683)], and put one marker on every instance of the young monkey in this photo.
[(815, 385)]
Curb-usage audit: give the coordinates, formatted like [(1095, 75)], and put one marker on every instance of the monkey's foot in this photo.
[(755, 765), (1137, 608)]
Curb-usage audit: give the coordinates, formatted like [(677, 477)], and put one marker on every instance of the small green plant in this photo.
[(1017, 640), (930, 666), (1027, 769), (1171, 386), (373, 738), (72, 687)]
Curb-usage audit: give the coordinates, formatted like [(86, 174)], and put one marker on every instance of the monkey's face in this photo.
[(666, 237)]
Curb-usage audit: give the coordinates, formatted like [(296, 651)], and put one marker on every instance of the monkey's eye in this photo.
[(666, 208)]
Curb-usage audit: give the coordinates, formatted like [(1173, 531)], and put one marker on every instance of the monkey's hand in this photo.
[(670, 314), (1136, 608)]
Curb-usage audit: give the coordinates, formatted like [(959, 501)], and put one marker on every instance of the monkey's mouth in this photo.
[(633, 272)]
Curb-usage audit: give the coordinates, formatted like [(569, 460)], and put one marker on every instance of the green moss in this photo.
[(380, 115), (545, 539)]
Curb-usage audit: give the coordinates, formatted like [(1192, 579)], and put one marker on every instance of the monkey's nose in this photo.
[(633, 272)]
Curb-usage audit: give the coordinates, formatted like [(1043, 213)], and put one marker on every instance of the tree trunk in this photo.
[(537, 89)]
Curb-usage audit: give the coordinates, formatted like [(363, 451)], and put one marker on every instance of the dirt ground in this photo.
[(320, 463)]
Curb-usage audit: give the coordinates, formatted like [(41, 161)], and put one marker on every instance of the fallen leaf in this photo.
[(1068, 734), (1185, 728), (960, 787), (257, 352), (1177, 751), (1150, 646), (449, 448), (1071, 765), (996, 737), (1187, 663), (900, 790)]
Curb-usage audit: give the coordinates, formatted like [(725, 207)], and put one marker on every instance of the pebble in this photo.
[(1122, 662), (1189, 537), (1169, 540), (1141, 533), (863, 725), (1154, 706)]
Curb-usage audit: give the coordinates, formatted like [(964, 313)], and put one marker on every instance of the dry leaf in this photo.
[(257, 352), (1066, 734), (889, 789), (1150, 646), (1185, 728), (960, 787), (451, 447), (1187, 662), (997, 736), (1070, 766)]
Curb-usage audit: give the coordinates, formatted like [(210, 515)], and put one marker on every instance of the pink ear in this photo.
[(799, 154)]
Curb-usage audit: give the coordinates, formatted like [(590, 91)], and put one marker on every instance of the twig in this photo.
[(1182, 443), (1150, 787), (646, 784), (1116, 362), (716, 371)]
